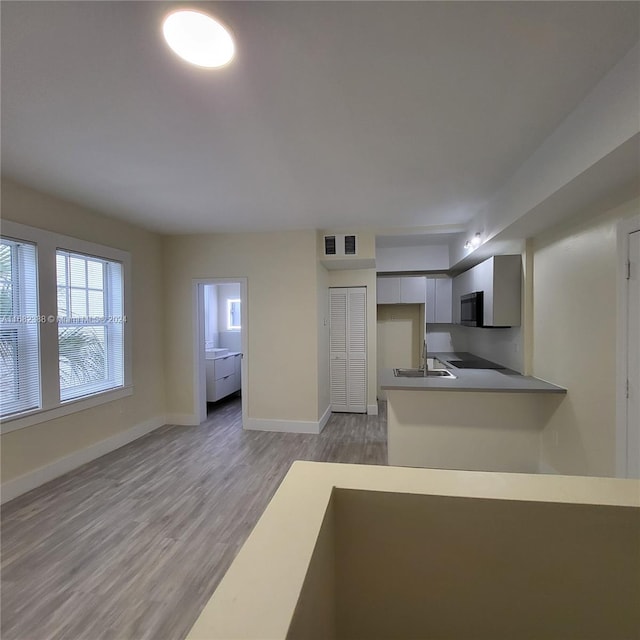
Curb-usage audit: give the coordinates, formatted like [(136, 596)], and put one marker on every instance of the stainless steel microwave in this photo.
[(472, 309)]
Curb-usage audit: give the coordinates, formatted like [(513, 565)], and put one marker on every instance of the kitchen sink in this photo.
[(420, 373)]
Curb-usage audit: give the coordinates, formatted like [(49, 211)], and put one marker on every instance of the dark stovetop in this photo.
[(476, 364), (469, 361)]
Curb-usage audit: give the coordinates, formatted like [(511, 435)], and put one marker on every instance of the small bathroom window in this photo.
[(233, 315)]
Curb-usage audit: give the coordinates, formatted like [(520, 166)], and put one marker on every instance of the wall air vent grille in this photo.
[(329, 245), (349, 245)]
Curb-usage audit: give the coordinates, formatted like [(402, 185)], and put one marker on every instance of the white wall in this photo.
[(424, 258), (211, 338), (503, 346), (39, 446), (446, 338), (574, 339)]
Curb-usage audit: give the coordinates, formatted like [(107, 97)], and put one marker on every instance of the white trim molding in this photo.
[(284, 426), (324, 419), (372, 409), (12, 423), (32, 479)]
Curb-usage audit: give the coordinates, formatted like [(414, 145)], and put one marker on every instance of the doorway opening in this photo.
[(220, 344)]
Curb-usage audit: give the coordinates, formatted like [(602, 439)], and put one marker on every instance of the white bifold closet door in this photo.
[(348, 349)]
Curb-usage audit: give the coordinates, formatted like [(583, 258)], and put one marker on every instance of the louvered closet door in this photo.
[(348, 349)]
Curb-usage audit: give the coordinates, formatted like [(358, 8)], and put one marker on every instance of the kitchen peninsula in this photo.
[(481, 420)]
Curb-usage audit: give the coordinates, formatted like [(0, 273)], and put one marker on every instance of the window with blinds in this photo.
[(19, 330), (90, 324)]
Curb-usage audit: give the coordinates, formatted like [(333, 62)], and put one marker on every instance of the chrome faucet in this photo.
[(424, 348)]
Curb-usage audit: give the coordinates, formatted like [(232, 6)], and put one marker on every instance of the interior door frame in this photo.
[(624, 229), (199, 369)]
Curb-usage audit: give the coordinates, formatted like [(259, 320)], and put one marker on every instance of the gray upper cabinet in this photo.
[(400, 290), (412, 289), (443, 305), (388, 290), (430, 309), (434, 292), (499, 278), (438, 308)]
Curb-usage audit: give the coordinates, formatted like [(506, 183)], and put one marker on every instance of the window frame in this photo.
[(47, 244)]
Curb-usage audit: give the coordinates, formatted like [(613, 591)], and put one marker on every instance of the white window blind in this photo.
[(19, 350), (90, 324)]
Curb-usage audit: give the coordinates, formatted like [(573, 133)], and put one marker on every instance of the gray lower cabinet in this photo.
[(223, 376)]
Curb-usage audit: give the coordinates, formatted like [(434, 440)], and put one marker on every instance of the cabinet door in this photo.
[(211, 381), (443, 300), (412, 289), (226, 386), (388, 290), (430, 309), (224, 366), (348, 349)]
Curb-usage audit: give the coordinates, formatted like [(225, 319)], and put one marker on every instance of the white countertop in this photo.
[(219, 356)]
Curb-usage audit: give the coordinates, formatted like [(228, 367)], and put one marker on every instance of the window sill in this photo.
[(38, 416)]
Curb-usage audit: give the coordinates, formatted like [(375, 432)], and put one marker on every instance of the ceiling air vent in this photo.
[(329, 245), (349, 245)]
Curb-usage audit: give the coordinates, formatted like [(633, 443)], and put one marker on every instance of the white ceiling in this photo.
[(334, 114)]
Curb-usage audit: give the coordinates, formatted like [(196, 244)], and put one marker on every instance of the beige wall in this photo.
[(574, 339), (470, 430), (400, 336), (324, 394), (282, 317), (427, 566), (364, 278), (27, 449)]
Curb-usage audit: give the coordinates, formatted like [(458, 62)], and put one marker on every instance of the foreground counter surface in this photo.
[(379, 552)]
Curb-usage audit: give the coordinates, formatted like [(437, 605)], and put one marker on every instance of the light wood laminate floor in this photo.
[(132, 545)]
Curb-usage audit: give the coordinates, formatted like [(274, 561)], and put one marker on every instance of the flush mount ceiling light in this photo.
[(197, 38)]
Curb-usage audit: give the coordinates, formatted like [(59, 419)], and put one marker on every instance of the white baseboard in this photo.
[(372, 409), (17, 486), (182, 419), (285, 426), (324, 419)]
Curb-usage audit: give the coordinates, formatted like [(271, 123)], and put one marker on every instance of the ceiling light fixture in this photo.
[(199, 39), (474, 243)]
